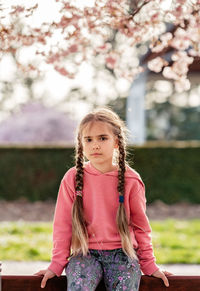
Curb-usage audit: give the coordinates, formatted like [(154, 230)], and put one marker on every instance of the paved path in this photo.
[(29, 268)]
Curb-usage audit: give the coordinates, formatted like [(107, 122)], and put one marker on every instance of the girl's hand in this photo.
[(161, 274), (48, 274)]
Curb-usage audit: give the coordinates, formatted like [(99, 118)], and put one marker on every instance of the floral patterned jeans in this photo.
[(119, 271)]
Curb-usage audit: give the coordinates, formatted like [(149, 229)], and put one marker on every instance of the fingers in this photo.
[(168, 273), (162, 274), (47, 275), (41, 272), (44, 280), (165, 280)]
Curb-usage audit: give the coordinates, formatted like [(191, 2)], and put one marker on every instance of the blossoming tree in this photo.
[(86, 33)]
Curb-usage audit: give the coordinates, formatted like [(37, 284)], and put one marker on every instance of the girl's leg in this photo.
[(83, 273), (121, 273)]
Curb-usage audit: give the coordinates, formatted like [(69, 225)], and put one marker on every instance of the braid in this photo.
[(79, 230), (121, 218), (122, 166), (79, 166)]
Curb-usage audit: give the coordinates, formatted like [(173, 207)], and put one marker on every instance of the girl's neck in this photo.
[(104, 168)]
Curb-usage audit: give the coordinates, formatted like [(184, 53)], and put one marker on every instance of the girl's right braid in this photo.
[(79, 168)]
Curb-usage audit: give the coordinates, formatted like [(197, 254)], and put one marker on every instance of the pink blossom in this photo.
[(181, 2), (181, 40), (178, 11), (89, 25), (181, 44), (154, 17), (157, 64), (17, 9), (169, 73), (104, 48), (73, 48), (165, 38), (181, 68), (193, 53), (111, 60), (27, 41), (63, 71), (157, 47), (53, 58), (182, 84), (64, 22)]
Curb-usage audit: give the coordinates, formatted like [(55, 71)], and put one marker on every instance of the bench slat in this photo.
[(32, 283)]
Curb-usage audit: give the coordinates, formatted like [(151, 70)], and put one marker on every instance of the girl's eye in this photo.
[(103, 138)]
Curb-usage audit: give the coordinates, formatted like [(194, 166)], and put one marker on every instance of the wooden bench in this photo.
[(32, 283)]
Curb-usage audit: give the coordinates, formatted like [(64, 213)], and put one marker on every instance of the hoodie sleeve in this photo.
[(142, 230), (62, 225)]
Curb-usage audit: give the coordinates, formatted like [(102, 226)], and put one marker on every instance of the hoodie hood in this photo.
[(89, 168)]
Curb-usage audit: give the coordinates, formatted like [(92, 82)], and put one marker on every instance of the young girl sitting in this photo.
[(100, 214)]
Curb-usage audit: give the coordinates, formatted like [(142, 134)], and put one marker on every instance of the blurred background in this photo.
[(38, 118)]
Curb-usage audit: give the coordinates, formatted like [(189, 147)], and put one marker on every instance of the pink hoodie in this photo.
[(101, 201)]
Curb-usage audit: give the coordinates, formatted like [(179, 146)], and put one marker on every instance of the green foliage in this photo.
[(170, 174), (174, 241), (33, 173), (182, 123)]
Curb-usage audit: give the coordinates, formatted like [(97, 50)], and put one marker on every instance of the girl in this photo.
[(100, 214)]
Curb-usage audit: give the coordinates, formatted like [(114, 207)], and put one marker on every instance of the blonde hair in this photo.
[(79, 225)]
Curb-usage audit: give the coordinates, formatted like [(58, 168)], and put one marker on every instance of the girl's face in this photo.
[(99, 143)]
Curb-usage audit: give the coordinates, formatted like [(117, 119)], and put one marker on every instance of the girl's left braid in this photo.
[(122, 221)]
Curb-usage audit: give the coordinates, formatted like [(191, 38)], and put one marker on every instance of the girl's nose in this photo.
[(96, 146)]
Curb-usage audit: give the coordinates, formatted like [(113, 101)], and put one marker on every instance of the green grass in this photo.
[(174, 241), (25, 241)]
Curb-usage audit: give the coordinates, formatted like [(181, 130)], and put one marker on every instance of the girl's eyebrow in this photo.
[(100, 135)]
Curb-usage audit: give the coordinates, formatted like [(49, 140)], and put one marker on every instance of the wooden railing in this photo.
[(148, 283)]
